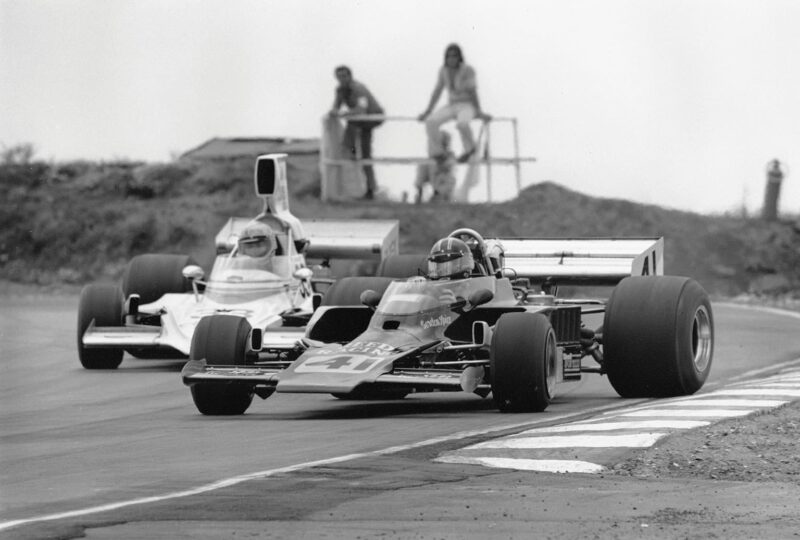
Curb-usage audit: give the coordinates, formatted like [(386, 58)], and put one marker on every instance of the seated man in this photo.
[(257, 240)]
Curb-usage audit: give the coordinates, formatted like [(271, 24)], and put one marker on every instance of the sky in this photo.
[(677, 103)]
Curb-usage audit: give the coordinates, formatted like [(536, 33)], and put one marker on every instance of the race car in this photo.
[(259, 276), (489, 317)]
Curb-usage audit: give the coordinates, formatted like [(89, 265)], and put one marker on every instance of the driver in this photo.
[(257, 240), (450, 258)]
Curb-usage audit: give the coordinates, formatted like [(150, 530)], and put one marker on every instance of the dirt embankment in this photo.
[(80, 222)]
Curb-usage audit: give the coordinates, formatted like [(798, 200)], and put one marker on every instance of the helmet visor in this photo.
[(448, 268), (256, 246)]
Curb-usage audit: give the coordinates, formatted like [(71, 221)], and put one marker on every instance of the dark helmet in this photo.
[(450, 258)]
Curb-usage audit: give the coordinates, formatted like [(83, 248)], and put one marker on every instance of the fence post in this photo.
[(773, 191)]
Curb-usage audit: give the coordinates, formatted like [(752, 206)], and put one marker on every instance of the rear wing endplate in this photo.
[(596, 261)]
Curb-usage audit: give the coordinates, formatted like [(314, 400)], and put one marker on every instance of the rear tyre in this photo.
[(153, 275), (403, 266), (347, 291), (523, 362), (222, 341), (103, 305), (658, 336)]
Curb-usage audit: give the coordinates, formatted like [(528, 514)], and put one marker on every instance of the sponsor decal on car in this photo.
[(441, 320)]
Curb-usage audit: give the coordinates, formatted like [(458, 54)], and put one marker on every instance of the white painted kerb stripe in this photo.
[(688, 413), (713, 402), (539, 465), (632, 440), (612, 426)]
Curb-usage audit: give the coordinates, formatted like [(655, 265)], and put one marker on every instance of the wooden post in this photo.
[(773, 191)]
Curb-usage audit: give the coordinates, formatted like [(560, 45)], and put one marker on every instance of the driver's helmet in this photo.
[(450, 258), (257, 240)]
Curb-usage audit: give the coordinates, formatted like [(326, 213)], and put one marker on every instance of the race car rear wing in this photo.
[(331, 239), (316, 238), (596, 261), (352, 238)]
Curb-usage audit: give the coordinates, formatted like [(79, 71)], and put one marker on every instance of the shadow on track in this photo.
[(427, 406)]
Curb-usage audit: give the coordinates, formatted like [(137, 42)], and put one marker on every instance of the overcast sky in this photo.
[(679, 103)]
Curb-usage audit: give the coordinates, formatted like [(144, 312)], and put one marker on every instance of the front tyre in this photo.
[(347, 291), (152, 275), (221, 340), (403, 266), (103, 305), (523, 362), (658, 336)]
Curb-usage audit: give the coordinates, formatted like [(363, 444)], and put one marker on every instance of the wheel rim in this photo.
[(701, 339), (551, 363)]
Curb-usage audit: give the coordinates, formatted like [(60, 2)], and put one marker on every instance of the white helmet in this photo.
[(257, 240)]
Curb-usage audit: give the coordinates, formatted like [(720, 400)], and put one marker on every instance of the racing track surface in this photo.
[(73, 439)]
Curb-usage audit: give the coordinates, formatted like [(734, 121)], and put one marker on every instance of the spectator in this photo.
[(358, 133), (463, 104), (438, 174)]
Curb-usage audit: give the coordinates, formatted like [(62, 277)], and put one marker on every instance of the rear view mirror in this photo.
[(270, 174), (480, 297), (193, 272), (303, 274), (370, 298)]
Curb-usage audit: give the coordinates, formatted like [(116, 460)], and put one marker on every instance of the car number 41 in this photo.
[(340, 364)]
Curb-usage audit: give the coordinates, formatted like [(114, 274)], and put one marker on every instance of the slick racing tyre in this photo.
[(153, 275), (658, 336), (103, 305), (222, 341), (523, 362), (403, 266)]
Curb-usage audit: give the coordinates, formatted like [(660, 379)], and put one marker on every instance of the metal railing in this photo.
[(482, 157)]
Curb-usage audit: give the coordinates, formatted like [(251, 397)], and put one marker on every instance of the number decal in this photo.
[(646, 268), (339, 364)]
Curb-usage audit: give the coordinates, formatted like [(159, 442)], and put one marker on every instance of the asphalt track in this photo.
[(92, 449)]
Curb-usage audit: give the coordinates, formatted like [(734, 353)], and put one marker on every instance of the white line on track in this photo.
[(765, 309), (757, 391)]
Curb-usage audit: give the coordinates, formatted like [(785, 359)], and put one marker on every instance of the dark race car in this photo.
[(500, 328)]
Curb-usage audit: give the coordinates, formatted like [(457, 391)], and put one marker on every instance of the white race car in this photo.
[(259, 275)]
